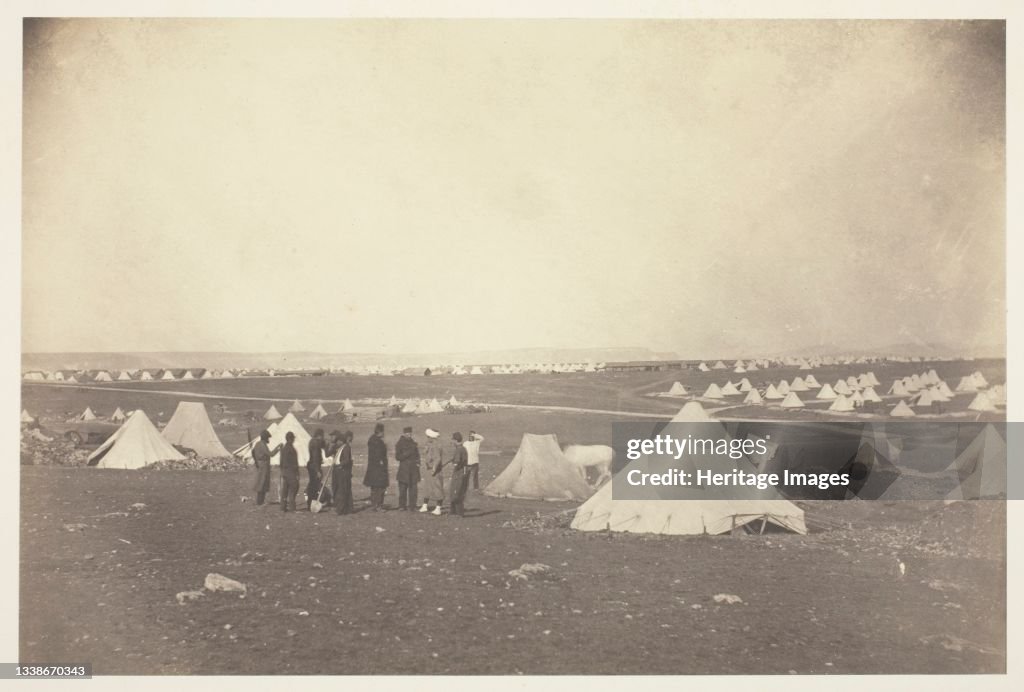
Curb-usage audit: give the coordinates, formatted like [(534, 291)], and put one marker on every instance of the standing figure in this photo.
[(314, 467), (341, 480), (460, 476), (289, 473), (432, 484), (261, 454), (377, 478), (407, 454), (472, 446)]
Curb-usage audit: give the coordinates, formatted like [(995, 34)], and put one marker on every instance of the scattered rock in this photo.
[(188, 596), (218, 582), (727, 598), (75, 527), (528, 569)]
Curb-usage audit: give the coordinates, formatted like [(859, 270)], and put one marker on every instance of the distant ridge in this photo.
[(300, 359)]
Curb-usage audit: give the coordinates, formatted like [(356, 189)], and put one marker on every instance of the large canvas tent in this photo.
[(277, 433), (540, 471), (135, 444), (190, 427), (692, 509)]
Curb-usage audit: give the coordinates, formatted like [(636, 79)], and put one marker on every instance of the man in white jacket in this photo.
[(472, 446)]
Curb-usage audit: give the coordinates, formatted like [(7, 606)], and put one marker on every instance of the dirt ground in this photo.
[(400, 592)]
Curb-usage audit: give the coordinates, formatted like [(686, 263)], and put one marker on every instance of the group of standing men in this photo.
[(463, 458)]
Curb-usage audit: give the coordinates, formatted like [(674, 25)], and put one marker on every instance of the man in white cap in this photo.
[(432, 482)]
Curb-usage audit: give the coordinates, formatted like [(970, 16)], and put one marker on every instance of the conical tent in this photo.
[(981, 467), (117, 416), (826, 392), (146, 375), (798, 385), (873, 380), (967, 385), (703, 367), (87, 414), (409, 407), (783, 388), (190, 427), (26, 417), (840, 387), (692, 412), (540, 471), (677, 389), (869, 394), (188, 375), (772, 393), (745, 385), (124, 377), (898, 389), (318, 412), (713, 392), (901, 410), (792, 400), (277, 434), (923, 399), (981, 403), (296, 407), (811, 381), (944, 389), (691, 510), (730, 389), (393, 401), (347, 406), (979, 380), (453, 401), (719, 366), (753, 397), (272, 413), (842, 404), (857, 399), (168, 375), (135, 444), (852, 382)]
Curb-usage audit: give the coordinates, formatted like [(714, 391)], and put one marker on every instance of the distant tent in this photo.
[(26, 417), (409, 407), (898, 389), (71, 380), (753, 397), (745, 385), (118, 415), (852, 382), (810, 381), (347, 406), (923, 399), (135, 444), (677, 389), (981, 467), (979, 380), (87, 414), (691, 510), (146, 375), (190, 427), (208, 375), (826, 392), (318, 413), (857, 399), (277, 434), (124, 376), (842, 404), (188, 375), (703, 367), (944, 389), (798, 385), (168, 375), (476, 370), (901, 410), (997, 394), (713, 392), (393, 401), (783, 387), (227, 374), (719, 366), (103, 376), (873, 381), (981, 403), (792, 400), (272, 413), (691, 412), (434, 406), (540, 471), (841, 387), (453, 401), (772, 393), (863, 381), (967, 384), (730, 389), (869, 394), (297, 407), (752, 366)]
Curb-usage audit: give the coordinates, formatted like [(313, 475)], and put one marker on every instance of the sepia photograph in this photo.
[(430, 345)]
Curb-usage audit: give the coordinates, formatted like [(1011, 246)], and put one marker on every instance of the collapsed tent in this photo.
[(190, 427), (540, 471), (695, 509), (137, 443)]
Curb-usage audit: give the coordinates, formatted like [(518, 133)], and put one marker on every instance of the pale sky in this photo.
[(452, 185)]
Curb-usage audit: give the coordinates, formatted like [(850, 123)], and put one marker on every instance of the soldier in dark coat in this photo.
[(377, 478), (314, 467), (289, 473), (341, 479), (407, 454), (261, 454), (460, 476)]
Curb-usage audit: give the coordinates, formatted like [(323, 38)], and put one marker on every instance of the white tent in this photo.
[(745, 385), (730, 389), (691, 412), (852, 383), (997, 394), (87, 414), (798, 385), (409, 407), (296, 407), (146, 375), (227, 374), (692, 510), (677, 389), (967, 384), (944, 389), (453, 401), (901, 410), (168, 375), (540, 471), (72, 380), (434, 406), (277, 434), (873, 380), (772, 393), (857, 399), (841, 387), (863, 381), (924, 398), (26, 417), (792, 400), (208, 375), (272, 413), (753, 397), (713, 392), (842, 404), (190, 427), (826, 392), (476, 370), (981, 467), (103, 376), (117, 416), (869, 394), (135, 444), (124, 377), (347, 406), (719, 366), (318, 413), (703, 367), (898, 389), (783, 388), (188, 375), (979, 380), (981, 403)]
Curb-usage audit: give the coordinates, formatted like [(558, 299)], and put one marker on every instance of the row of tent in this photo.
[(74, 377), (137, 443)]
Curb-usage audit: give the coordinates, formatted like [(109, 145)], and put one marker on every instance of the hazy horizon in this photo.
[(430, 186)]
